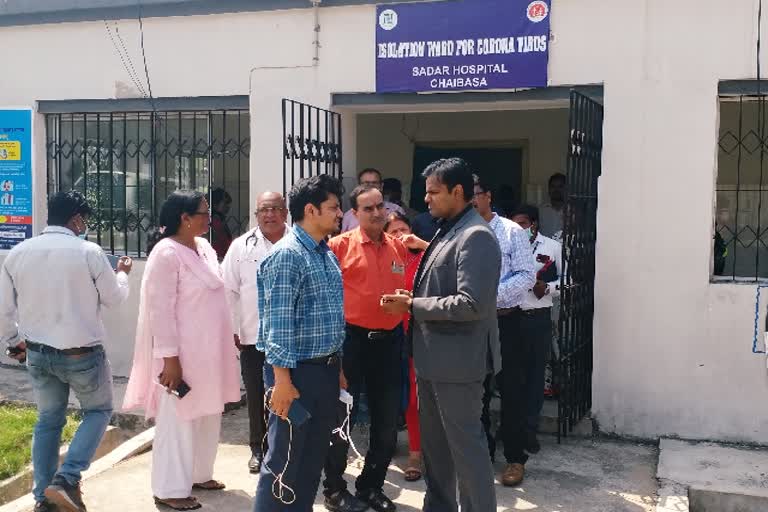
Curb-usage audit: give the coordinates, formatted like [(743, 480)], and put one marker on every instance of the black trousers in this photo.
[(373, 365), (300, 450), (252, 370), (525, 337)]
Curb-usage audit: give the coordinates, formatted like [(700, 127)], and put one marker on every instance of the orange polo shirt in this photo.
[(369, 270)]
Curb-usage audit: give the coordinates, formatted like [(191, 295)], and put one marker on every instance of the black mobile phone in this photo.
[(182, 389), (15, 351), (298, 414)]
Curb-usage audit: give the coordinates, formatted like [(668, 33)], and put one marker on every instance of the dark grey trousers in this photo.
[(454, 447)]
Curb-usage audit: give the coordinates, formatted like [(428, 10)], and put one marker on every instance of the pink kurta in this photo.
[(183, 312)]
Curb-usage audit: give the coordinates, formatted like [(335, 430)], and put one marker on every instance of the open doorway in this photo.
[(500, 167)]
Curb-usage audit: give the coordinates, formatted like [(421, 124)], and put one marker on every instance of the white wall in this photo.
[(672, 351)]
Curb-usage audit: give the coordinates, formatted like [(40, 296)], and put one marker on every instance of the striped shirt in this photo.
[(301, 301), (517, 269)]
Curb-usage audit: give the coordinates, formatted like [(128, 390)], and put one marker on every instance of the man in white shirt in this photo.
[(52, 290), (551, 215), (370, 177), (241, 264), (535, 328)]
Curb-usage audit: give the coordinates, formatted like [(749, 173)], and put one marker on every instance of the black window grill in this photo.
[(740, 245), (126, 164)]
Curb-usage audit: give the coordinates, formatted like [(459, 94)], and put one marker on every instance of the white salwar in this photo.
[(184, 451)]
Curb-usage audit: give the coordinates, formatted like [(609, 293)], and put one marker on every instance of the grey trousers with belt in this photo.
[(454, 447)]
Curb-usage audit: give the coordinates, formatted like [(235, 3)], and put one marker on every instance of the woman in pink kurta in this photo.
[(184, 334)]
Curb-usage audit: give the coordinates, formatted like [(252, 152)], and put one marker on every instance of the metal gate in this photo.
[(574, 368), (311, 142)]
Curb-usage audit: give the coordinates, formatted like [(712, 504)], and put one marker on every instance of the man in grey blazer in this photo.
[(455, 341)]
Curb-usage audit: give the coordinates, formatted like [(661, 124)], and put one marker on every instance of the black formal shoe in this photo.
[(254, 464), (532, 443), (377, 501), (343, 501), (45, 506)]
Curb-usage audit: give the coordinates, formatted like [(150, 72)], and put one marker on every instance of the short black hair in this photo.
[(395, 216), (479, 182), (452, 172), (528, 210), (366, 171), (391, 184), (357, 192), (62, 206), (218, 195), (558, 176), (313, 190)]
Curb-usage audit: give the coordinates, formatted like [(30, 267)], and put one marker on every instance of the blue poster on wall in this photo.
[(15, 177), (462, 45)]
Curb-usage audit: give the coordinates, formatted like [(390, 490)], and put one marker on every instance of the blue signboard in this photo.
[(15, 177), (461, 45)]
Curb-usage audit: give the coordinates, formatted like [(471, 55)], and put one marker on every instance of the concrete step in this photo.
[(712, 477), (711, 500)]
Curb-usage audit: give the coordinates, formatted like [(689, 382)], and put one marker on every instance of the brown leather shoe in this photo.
[(513, 475)]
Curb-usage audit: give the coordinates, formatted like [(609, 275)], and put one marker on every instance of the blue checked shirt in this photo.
[(517, 265), (301, 301)]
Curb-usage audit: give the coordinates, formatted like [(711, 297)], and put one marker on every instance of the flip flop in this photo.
[(164, 503), (210, 485)]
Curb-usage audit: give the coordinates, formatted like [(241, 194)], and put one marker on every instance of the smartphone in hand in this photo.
[(113, 260)]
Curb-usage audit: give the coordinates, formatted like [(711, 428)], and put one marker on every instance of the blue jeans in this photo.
[(318, 385), (53, 374)]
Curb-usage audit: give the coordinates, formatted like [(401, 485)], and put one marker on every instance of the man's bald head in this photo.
[(270, 197), (271, 215)]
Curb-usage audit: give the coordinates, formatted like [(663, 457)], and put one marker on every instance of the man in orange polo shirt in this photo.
[(372, 264)]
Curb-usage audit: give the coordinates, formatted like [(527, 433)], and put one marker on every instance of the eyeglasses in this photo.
[(371, 183), (270, 209)]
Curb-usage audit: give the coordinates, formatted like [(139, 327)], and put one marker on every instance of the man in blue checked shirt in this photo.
[(518, 276), (301, 332)]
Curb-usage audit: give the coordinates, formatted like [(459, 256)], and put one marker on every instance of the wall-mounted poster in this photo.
[(16, 200)]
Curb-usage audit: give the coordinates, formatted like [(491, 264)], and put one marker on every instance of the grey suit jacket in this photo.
[(455, 328)]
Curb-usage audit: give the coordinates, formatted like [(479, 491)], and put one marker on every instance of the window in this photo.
[(741, 210), (126, 164)]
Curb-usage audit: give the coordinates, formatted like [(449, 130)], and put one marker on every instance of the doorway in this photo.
[(501, 168)]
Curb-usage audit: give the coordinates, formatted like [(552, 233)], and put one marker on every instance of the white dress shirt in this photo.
[(544, 248), (350, 222), (52, 289), (517, 273), (240, 266)]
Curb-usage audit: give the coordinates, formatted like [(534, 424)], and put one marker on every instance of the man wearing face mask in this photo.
[(517, 277), (52, 291), (534, 338)]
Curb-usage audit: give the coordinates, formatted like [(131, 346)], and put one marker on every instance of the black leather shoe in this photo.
[(254, 464), (532, 443), (377, 500), (343, 501)]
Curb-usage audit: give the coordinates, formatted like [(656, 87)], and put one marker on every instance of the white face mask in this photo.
[(84, 234)]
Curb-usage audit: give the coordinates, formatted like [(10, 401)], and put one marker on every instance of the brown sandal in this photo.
[(210, 485), (413, 469), (175, 503)]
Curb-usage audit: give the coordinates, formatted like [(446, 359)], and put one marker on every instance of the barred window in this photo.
[(126, 164)]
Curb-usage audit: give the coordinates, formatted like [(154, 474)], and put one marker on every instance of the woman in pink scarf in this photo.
[(184, 337)]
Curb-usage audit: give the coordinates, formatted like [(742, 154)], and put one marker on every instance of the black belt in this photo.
[(524, 312), (328, 360), (47, 349), (373, 334)]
